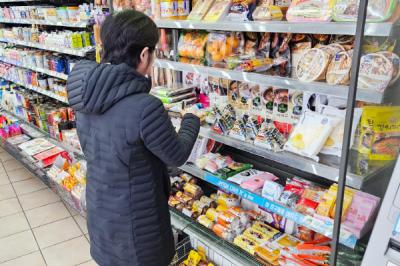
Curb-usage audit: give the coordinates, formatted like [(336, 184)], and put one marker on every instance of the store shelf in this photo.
[(56, 142), (63, 50), (80, 24), (281, 82), (225, 249), (344, 28), (323, 227), (37, 69), (290, 159), (38, 90)]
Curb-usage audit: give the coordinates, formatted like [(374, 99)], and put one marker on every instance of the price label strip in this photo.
[(323, 227)]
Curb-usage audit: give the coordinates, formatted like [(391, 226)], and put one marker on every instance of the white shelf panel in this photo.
[(63, 50), (80, 24), (345, 28), (39, 90), (282, 82), (37, 69)]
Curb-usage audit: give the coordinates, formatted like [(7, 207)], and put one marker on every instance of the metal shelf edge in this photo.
[(82, 24), (346, 28), (282, 82)]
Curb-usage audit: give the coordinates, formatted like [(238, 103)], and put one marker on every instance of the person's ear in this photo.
[(144, 55)]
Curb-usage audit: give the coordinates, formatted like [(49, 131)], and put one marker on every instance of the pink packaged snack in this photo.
[(361, 209), (257, 182)]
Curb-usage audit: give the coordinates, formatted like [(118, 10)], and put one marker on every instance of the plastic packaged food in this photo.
[(220, 46), (203, 220), (377, 11), (245, 243), (395, 59), (265, 12), (268, 253), (287, 240), (269, 232), (310, 134), (212, 214), (280, 52), (272, 190), (223, 232), (192, 44), (380, 132), (376, 72), (256, 236), (241, 10), (218, 10), (243, 176), (312, 65), (200, 9), (338, 72), (310, 10)]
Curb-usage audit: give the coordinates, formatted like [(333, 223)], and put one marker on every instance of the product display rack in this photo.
[(80, 24), (76, 52), (345, 28), (37, 69), (39, 90), (327, 169), (289, 83)]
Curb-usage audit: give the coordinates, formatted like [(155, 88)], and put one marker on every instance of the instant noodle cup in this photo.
[(395, 59), (338, 72)]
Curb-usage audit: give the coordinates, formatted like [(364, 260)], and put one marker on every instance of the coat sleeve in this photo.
[(160, 137)]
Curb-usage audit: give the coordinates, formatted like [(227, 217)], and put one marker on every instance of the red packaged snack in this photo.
[(306, 206)]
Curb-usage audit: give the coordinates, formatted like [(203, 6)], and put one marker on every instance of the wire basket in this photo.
[(182, 251)]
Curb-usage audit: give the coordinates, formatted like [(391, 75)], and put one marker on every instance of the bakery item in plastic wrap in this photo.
[(310, 134), (265, 12), (338, 72), (312, 65), (310, 10), (378, 10), (375, 72), (200, 9)]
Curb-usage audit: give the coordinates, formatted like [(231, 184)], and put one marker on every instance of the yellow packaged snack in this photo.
[(287, 241), (268, 253), (265, 229), (200, 9), (245, 243), (347, 199), (218, 10), (380, 132), (256, 236), (193, 259)]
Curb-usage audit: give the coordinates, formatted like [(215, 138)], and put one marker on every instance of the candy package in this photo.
[(310, 10), (310, 134), (377, 11)]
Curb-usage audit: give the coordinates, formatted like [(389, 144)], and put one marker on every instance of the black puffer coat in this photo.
[(128, 139)]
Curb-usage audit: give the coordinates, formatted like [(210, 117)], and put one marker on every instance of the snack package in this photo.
[(192, 44), (310, 134), (220, 46), (300, 43), (377, 11), (243, 176), (333, 145), (281, 105), (218, 10), (376, 72), (268, 253), (312, 65), (280, 52), (310, 10), (223, 232), (200, 9), (267, 100), (241, 10), (245, 243), (266, 12), (272, 190), (379, 132), (257, 181), (338, 72), (269, 137)]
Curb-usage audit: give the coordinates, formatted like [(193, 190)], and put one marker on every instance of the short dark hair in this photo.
[(124, 35)]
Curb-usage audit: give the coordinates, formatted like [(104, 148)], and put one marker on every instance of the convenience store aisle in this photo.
[(35, 226)]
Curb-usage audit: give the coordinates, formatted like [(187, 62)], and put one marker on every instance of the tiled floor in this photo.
[(36, 228)]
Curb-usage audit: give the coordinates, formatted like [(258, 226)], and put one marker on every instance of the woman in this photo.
[(128, 139)]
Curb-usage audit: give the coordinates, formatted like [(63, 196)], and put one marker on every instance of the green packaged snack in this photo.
[(233, 169)]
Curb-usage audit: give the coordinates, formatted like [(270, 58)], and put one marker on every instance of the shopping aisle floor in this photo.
[(36, 228)]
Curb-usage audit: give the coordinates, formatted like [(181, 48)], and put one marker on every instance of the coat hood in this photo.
[(95, 88)]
